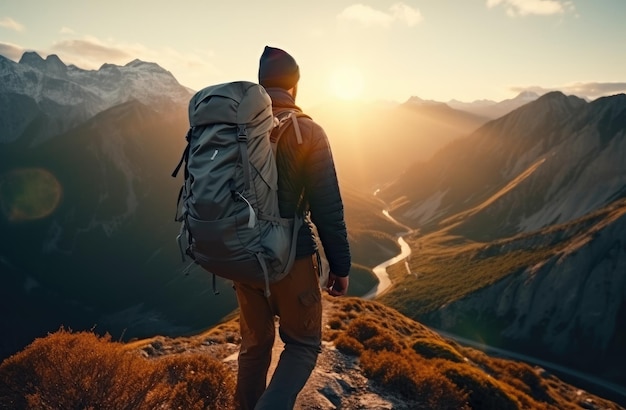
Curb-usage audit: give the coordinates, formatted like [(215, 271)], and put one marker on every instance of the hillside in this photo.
[(373, 143), (372, 358), (520, 238), (87, 230)]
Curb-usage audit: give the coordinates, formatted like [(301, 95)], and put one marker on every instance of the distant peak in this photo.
[(527, 95), (31, 58), (135, 62), (108, 66), (53, 58), (418, 101), (414, 99), (556, 102), (553, 95), (52, 64), (139, 63)]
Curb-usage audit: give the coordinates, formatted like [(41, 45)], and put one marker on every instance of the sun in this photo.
[(347, 83)]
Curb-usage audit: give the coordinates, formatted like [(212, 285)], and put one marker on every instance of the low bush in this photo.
[(81, 370), (402, 372), (431, 349)]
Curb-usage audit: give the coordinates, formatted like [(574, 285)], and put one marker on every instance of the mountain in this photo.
[(103, 253), (87, 203), (87, 207), (54, 97), (493, 109), (99, 250), (550, 161), (525, 217), (87, 214), (373, 143)]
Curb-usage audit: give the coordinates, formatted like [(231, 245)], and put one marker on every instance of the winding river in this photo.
[(381, 270), (601, 387)]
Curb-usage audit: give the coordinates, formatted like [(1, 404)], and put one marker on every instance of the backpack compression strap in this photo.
[(242, 140)]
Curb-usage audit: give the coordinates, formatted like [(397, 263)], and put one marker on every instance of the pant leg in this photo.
[(257, 339), (298, 302)]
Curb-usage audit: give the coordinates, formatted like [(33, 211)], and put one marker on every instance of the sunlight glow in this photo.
[(347, 83)]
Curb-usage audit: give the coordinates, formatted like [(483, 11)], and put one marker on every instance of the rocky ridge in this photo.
[(56, 97)]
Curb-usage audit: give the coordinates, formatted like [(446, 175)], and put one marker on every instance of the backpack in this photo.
[(228, 203)]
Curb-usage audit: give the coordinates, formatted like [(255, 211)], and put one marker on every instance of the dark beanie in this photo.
[(278, 69)]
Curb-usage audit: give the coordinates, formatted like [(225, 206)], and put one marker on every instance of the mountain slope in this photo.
[(521, 232), (107, 246), (551, 161), (493, 109), (373, 143), (65, 96), (88, 233)]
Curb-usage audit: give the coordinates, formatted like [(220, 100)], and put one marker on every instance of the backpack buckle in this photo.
[(242, 133)]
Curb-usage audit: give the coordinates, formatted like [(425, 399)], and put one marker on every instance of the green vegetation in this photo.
[(447, 268)]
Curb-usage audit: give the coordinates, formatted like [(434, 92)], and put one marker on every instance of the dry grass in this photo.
[(401, 356), (405, 356), (68, 370)]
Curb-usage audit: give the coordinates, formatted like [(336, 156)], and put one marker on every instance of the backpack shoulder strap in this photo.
[(284, 118)]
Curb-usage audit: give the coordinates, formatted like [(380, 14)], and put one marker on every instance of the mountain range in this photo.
[(530, 209), (494, 109), (57, 97), (375, 142), (87, 209), (518, 219)]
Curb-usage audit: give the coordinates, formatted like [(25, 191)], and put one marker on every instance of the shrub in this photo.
[(430, 349), (76, 370), (362, 329), (383, 341), (483, 392), (83, 371), (196, 381), (412, 379), (348, 345), (523, 377)]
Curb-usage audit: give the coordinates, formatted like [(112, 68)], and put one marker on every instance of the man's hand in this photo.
[(337, 285)]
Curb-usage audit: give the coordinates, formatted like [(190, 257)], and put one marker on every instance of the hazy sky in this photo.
[(377, 49)]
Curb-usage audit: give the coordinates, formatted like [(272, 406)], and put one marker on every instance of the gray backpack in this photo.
[(228, 204)]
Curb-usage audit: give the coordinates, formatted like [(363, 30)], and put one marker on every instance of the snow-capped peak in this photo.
[(80, 94)]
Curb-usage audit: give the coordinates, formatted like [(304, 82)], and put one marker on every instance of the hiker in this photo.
[(295, 299)]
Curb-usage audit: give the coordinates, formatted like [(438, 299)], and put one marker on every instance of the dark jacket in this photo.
[(310, 165)]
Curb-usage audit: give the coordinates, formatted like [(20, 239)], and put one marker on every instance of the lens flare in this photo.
[(29, 193)]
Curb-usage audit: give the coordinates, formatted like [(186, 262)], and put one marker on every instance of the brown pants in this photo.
[(296, 300)]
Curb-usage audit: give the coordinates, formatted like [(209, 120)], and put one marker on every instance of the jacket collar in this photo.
[(281, 99)]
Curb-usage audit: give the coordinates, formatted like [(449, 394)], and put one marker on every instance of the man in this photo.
[(296, 299)]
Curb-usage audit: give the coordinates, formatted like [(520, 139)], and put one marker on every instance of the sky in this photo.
[(366, 50)]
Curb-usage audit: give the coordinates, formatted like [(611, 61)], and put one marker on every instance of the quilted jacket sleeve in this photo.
[(324, 197)]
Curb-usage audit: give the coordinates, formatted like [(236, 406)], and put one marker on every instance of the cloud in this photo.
[(368, 16), (406, 14), (11, 51), (66, 30), (590, 90), (90, 52), (8, 22), (190, 69), (516, 8), (193, 69)]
